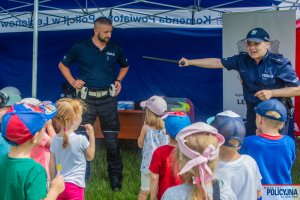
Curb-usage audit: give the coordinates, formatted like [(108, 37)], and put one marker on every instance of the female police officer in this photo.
[(264, 75)]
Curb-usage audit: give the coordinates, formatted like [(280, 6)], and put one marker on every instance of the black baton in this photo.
[(164, 60)]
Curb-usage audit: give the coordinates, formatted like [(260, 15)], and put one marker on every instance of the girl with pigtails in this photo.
[(70, 151), (196, 156)]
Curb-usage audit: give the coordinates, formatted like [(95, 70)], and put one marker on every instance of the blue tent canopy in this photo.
[(27, 5), (145, 78)]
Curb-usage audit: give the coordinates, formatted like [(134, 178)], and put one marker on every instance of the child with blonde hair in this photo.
[(269, 147), (197, 154), (152, 136), (70, 151), (162, 174)]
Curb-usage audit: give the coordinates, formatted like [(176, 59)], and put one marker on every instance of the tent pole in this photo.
[(35, 48)]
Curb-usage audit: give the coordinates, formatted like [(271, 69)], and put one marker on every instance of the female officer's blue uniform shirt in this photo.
[(97, 67), (272, 72)]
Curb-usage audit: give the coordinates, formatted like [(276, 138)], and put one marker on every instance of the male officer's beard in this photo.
[(101, 39)]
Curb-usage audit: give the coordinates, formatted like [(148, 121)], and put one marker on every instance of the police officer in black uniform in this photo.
[(264, 75), (98, 86)]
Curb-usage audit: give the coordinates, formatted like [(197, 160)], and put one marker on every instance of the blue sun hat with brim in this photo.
[(175, 122)]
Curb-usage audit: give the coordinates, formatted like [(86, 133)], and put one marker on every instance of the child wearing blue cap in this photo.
[(269, 147), (240, 171), (162, 176), (23, 126)]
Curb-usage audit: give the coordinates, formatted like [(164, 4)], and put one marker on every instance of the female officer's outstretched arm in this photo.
[(205, 62), (281, 92)]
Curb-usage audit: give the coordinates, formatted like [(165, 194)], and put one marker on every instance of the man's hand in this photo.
[(77, 84), (264, 94), (118, 87)]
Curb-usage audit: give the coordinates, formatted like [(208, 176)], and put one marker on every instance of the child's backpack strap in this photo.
[(216, 189)]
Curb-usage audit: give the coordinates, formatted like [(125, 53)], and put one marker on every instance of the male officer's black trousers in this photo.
[(106, 108)]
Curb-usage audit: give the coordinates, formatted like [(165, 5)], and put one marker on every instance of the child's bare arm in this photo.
[(142, 137), (153, 186), (259, 194), (90, 151), (51, 132), (52, 166), (57, 186)]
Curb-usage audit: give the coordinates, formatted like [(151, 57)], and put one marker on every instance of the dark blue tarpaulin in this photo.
[(145, 78)]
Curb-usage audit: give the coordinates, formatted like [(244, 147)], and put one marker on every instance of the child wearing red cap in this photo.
[(152, 136), (162, 175), (23, 126)]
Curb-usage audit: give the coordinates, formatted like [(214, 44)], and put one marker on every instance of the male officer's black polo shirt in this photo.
[(97, 68)]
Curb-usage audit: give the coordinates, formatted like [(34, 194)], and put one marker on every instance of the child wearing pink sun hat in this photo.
[(196, 155)]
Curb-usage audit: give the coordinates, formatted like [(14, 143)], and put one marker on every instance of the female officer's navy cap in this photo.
[(258, 35)]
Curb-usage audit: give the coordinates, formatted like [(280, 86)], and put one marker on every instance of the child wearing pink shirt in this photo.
[(41, 153)]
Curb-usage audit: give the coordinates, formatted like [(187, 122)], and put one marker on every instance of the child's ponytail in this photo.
[(67, 110), (65, 139), (199, 193), (153, 120)]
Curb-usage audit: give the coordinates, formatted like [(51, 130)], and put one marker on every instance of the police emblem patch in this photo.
[(253, 32)]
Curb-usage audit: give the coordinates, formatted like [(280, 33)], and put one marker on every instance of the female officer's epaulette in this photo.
[(243, 53), (278, 59)]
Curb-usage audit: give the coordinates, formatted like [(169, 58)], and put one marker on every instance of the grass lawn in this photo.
[(98, 187)]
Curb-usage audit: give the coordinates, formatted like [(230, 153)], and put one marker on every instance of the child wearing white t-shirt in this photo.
[(70, 151), (240, 171)]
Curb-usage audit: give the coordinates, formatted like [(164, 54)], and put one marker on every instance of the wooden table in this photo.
[(131, 122)]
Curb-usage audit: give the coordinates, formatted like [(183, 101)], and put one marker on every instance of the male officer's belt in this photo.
[(99, 93)]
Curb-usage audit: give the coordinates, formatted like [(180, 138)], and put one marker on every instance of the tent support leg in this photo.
[(35, 48)]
